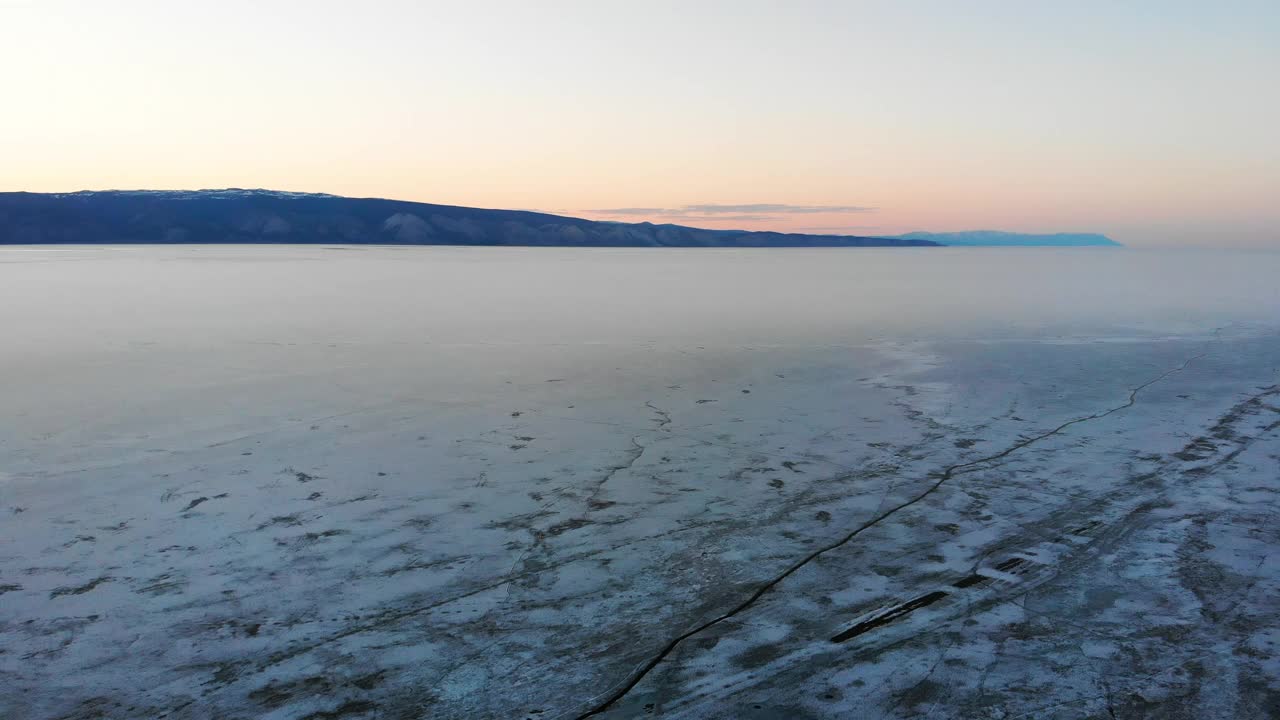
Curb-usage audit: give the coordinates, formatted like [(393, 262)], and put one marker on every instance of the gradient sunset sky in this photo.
[(1154, 122)]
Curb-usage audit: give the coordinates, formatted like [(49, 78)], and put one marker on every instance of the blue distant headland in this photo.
[(997, 238)]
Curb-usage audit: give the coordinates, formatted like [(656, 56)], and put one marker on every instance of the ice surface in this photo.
[(290, 482)]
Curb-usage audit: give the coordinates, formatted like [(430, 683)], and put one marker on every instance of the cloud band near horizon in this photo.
[(753, 210)]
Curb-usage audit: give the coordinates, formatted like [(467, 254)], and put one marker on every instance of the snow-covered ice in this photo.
[(286, 482)]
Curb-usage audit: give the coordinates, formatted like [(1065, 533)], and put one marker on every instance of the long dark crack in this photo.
[(947, 473), (591, 503), (633, 455)]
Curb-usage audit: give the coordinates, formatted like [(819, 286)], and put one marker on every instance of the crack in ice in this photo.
[(947, 473)]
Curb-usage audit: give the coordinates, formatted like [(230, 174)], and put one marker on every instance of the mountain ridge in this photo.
[(237, 215)]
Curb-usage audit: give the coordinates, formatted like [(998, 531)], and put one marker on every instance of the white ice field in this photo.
[(344, 483)]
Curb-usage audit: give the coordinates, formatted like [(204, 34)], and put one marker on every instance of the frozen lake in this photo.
[(306, 482)]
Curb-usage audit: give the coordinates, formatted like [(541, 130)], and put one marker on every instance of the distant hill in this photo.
[(266, 216), (996, 238)]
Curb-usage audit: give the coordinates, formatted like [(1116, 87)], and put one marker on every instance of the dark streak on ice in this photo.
[(195, 502), (80, 590), (888, 617), (1010, 564)]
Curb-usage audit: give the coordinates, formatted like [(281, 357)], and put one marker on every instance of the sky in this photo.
[(1156, 122)]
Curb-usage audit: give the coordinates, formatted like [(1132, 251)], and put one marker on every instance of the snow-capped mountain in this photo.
[(221, 194)]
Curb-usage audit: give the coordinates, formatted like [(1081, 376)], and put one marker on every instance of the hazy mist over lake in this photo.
[(494, 482), (208, 296)]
